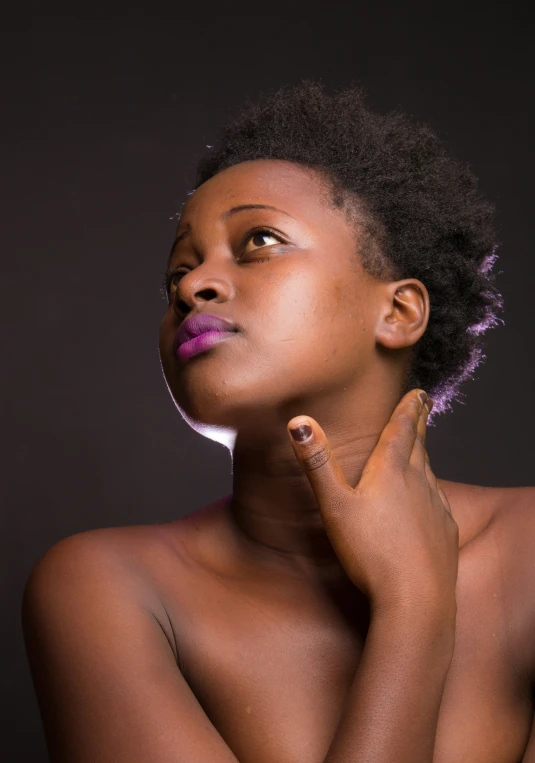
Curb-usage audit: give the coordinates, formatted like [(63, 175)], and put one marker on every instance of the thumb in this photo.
[(319, 463)]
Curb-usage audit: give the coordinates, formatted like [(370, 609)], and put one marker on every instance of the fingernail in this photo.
[(422, 397), (302, 433), (429, 404)]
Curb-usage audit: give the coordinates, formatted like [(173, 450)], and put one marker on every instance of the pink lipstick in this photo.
[(200, 332), (201, 343)]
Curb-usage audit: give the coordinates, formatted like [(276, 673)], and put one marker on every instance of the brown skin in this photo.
[(387, 715), (318, 336), (286, 659)]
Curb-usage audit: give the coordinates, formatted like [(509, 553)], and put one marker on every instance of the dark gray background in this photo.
[(106, 111)]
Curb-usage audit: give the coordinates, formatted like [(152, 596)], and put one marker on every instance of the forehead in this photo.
[(296, 189)]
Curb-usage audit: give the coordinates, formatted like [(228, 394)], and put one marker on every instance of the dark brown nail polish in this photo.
[(302, 433)]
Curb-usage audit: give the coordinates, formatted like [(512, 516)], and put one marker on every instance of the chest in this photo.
[(272, 666), (274, 682)]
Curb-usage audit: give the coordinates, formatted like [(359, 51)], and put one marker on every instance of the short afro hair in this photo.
[(422, 208)]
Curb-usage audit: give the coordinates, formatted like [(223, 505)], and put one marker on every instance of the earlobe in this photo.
[(406, 314)]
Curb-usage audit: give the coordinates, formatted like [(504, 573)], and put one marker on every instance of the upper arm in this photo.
[(105, 676)]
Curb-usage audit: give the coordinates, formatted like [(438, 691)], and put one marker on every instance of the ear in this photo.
[(405, 314)]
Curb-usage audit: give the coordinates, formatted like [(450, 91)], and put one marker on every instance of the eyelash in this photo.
[(168, 275)]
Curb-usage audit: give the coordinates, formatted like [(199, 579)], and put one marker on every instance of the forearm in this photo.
[(391, 712)]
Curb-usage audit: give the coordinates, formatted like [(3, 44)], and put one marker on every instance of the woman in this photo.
[(331, 270)]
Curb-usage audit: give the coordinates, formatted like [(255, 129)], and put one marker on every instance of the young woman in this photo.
[(332, 269)]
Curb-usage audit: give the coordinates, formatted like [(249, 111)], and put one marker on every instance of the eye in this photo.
[(260, 238), (169, 281)]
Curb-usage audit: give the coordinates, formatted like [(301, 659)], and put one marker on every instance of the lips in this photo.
[(200, 324)]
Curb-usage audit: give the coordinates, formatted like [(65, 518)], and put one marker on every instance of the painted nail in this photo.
[(302, 433)]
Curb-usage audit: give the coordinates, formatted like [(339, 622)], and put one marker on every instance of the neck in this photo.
[(273, 507)]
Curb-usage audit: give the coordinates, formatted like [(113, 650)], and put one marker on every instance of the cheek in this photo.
[(307, 310)]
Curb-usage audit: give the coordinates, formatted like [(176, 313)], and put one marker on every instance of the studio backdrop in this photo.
[(106, 111)]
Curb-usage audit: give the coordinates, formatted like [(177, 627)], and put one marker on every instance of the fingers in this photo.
[(397, 439), (402, 442), (435, 485), (429, 473), (444, 498), (319, 463), (419, 453)]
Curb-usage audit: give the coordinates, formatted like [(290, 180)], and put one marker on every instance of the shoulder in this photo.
[(497, 532), (135, 546), (478, 508), (148, 554), (515, 527), (113, 565), (128, 548), (516, 502), (515, 543), (98, 653)]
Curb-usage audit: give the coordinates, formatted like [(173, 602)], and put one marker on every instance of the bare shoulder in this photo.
[(514, 543), (516, 504), (497, 542), (149, 555), (476, 508), (505, 517), (130, 548), (515, 530), (128, 561), (100, 649), (517, 510)]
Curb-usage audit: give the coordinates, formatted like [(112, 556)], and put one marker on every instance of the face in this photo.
[(287, 273)]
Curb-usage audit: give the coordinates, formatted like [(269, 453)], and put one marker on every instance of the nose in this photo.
[(199, 286)]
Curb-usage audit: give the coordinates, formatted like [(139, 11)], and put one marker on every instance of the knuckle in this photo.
[(391, 450), (414, 472), (414, 406), (316, 458), (406, 425)]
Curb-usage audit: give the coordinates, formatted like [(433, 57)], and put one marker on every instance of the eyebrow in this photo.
[(226, 215), (243, 207)]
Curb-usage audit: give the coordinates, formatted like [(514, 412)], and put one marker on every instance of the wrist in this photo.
[(433, 613)]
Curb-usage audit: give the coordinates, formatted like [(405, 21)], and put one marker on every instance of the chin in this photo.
[(224, 435), (220, 402), (207, 410), (222, 416)]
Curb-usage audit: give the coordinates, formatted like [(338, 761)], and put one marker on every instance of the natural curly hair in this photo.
[(425, 216)]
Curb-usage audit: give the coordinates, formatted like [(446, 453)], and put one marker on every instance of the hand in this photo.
[(394, 532)]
